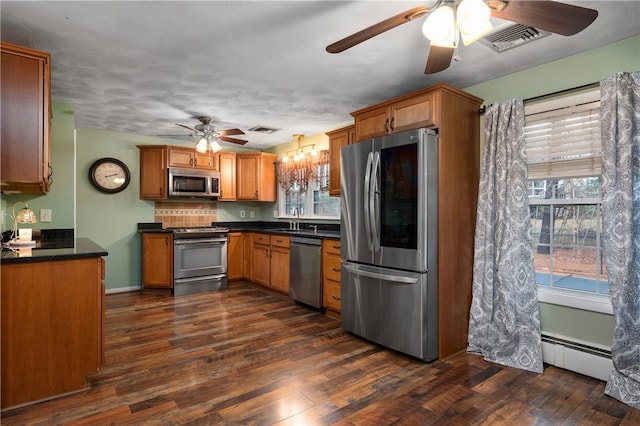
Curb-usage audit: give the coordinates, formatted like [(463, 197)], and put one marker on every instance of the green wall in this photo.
[(575, 71)]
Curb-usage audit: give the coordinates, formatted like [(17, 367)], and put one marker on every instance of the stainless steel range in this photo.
[(199, 260)]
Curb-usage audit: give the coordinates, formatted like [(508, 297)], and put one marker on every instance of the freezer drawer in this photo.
[(393, 308)]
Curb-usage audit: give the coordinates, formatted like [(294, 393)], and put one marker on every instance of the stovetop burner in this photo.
[(200, 229), (199, 232)]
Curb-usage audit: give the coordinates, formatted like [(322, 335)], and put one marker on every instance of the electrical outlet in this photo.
[(275, 213), (242, 214), (45, 215), (252, 214)]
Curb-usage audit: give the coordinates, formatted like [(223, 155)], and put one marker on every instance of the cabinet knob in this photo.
[(393, 119), (386, 125), (336, 270), (335, 298)]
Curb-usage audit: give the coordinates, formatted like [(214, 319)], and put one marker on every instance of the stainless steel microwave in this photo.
[(194, 183)]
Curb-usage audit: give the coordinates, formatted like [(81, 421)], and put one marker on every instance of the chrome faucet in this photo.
[(296, 224), (315, 228)]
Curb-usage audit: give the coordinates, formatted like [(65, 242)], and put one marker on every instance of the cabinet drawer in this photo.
[(331, 295), (261, 238), (331, 267), (280, 241), (331, 246)]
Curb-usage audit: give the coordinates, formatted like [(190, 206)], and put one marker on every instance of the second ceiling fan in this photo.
[(450, 20)]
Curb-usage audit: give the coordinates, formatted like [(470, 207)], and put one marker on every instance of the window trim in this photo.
[(575, 299), (282, 211)]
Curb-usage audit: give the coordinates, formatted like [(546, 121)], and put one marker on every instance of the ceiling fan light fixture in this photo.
[(473, 18), (440, 27), (215, 146), (202, 145)]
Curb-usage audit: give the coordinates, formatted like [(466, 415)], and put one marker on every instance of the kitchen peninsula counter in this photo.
[(52, 312), (56, 249)]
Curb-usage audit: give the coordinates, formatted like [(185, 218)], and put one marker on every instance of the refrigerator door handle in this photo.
[(377, 275), (375, 202), (367, 198)]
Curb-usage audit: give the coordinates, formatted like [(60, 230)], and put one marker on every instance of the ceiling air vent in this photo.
[(263, 129), (513, 36)]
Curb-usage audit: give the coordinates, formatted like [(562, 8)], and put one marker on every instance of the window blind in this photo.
[(562, 136)]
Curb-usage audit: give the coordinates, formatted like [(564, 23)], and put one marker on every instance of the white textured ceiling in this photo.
[(140, 67)]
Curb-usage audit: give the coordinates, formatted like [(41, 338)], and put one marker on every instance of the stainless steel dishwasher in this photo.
[(305, 285)]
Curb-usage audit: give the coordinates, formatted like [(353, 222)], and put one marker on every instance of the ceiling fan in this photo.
[(209, 135), (450, 20)]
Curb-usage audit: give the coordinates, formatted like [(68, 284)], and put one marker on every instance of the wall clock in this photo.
[(109, 175)]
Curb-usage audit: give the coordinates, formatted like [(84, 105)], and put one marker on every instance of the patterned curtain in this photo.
[(504, 323), (322, 170), (302, 171), (620, 121)]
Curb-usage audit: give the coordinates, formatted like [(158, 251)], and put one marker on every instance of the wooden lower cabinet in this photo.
[(270, 262), (157, 260), (331, 276), (279, 264), (52, 327), (235, 258), (247, 256)]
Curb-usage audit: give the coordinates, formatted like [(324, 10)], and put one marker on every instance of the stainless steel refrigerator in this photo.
[(389, 241)]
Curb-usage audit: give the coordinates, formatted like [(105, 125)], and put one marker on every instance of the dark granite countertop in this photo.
[(54, 249), (278, 228)]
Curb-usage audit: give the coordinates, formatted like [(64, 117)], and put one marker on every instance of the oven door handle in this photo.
[(217, 277), (219, 241)]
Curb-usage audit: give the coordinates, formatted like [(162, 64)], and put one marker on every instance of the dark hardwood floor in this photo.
[(243, 356)]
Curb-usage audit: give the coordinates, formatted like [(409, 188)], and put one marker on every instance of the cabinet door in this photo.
[(207, 161), (234, 256), (153, 172), (372, 123), (24, 125), (260, 261), (337, 139), (256, 176), (412, 113), (181, 157), (157, 260), (227, 176), (280, 269), (248, 175), (247, 256)]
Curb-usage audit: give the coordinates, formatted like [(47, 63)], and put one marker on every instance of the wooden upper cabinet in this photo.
[(190, 158), (25, 164), (407, 112), (337, 139), (256, 176), (227, 165), (153, 172)]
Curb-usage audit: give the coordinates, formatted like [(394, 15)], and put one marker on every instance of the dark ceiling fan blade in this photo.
[(439, 59), (559, 18), (231, 132), (375, 29), (233, 140), (187, 127)]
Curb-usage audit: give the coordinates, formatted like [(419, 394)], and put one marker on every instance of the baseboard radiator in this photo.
[(578, 357)]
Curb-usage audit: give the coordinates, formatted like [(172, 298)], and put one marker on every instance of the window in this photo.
[(564, 166), (314, 202)]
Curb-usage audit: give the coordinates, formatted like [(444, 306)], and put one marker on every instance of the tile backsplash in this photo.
[(177, 214)]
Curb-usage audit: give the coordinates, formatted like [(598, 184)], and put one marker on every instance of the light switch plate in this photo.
[(45, 215)]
